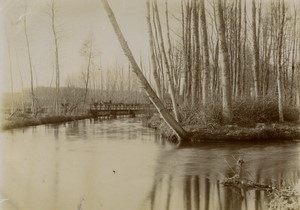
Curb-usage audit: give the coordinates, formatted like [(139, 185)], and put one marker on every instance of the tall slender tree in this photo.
[(281, 9), (152, 51), (226, 90), (24, 17), (89, 52), (168, 118), (166, 63), (196, 69), (53, 14), (206, 78), (256, 66)]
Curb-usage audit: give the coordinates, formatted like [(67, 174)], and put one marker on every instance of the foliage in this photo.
[(286, 198), (246, 112), (264, 110)]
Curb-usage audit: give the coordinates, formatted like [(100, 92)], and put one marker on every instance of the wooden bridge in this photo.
[(110, 110)]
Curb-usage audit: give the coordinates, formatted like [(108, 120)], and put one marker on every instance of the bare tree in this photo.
[(152, 50), (166, 63), (279, 68), (53, 14), (196, 69), (12, 108), (89, 52), (24, 17), (206, 54), (226, 90), (255, 51), (151, 94)]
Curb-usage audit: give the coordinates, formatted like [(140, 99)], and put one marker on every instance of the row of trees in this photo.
[(258, 42), (93, 75), (254, 65), (23, 19)]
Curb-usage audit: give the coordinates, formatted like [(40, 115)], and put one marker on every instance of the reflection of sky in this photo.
[(58, 167)]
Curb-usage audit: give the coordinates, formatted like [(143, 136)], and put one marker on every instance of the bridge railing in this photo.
[(108, 107), (96, 107)]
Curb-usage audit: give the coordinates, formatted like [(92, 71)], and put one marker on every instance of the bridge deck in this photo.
[(114, 110)]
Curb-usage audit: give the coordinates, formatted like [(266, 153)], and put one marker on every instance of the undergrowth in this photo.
[(246, 112)]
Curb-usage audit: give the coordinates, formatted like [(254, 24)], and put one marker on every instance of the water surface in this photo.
[(119, 164)]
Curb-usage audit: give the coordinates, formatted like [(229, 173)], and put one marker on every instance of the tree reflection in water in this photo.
[(58, 166), (192, 184)]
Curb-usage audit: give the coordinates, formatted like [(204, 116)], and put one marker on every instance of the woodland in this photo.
[(229, 62)]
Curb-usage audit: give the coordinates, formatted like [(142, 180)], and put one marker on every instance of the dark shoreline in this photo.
[(272, 132), (262, 132), (26, 122)]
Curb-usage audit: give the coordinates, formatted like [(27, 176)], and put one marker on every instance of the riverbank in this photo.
[(263, 132), (18, 122)]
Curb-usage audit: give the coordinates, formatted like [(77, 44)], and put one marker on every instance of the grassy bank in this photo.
[(252, 121), (18, 122)]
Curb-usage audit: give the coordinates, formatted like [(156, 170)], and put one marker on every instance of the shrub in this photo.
[(246, 112)]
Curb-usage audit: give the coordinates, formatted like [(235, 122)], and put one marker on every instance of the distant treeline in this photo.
[(71, 99)]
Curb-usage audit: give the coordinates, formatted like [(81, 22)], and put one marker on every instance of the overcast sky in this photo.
[(76, 19)]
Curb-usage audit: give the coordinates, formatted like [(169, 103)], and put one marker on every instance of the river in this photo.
[(122, 165)]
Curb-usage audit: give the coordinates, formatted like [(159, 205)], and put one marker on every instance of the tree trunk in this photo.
[(239, 43), (255, 52), (22, 84), (226, 90), (87, 75), (172, 123), (12, 108), (167, 65), (196, 69), (293, 58), (244, 51), (30, 66), (151, 43), (279, 68), (298, 78), (182, 81), (205, 96), (57, 67)]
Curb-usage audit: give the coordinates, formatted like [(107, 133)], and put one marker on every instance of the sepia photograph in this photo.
[(150, 105)]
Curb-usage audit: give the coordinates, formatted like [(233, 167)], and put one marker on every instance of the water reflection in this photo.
[(194, 192), (192, 176), (119, 164)]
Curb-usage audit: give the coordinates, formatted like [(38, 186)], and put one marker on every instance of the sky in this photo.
[(76, 19)]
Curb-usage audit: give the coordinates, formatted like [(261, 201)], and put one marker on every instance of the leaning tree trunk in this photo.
[(226, 92), (168, 118), (153, 60), (165, 59)]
